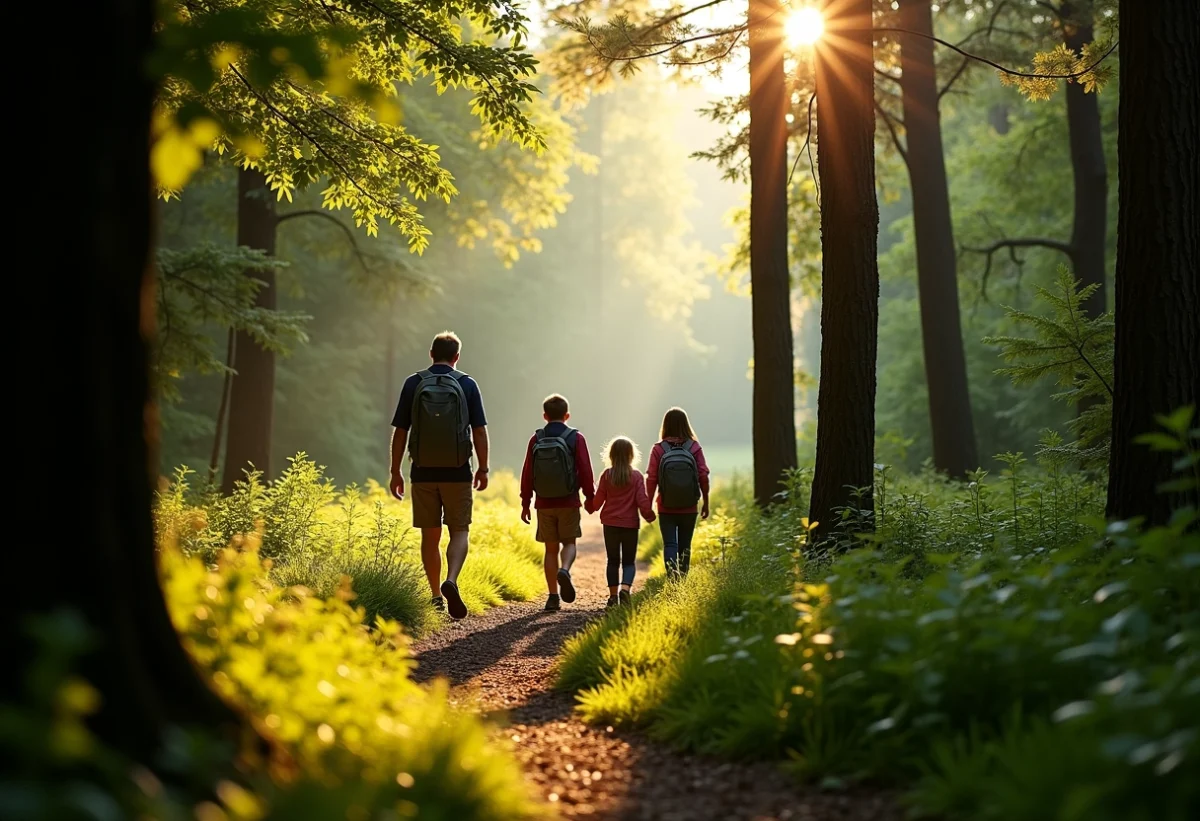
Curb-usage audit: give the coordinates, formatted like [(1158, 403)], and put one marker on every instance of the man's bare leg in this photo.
[(431, 558), (456, 553), (550, 564)]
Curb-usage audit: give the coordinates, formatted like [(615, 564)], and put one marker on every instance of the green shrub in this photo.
[(366, 741), (997, 640), (316, 535)]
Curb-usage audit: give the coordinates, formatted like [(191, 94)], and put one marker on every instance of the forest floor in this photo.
[(503, 663)]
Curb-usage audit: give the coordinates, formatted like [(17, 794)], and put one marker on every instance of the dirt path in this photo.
[(504, 662)]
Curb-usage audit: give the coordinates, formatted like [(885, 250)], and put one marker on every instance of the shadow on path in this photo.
[(503, 662)]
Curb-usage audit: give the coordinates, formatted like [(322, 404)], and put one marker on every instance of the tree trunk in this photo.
[(997, 117), (774, 408), (1157, 355), (937, 275), (1088, 233), (252, 400), (104, 567), (214, 461), (849, 270)]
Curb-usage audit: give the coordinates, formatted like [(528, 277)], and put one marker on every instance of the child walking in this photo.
[(620, 497), (557, 467), (680, 475)]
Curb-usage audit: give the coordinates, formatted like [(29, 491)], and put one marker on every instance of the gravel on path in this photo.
[(502, 663)]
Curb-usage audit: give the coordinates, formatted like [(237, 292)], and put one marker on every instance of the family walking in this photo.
[(440, 421)]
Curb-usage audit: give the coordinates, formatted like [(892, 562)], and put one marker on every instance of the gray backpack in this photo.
[(554, 464), (441, 430), (678, 475)]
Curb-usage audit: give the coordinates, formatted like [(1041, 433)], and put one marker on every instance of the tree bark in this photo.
[(214, 461), (104, 568), (252, 400), (1090, 226), (953, 429), (1157, 354), (849, 271), (774, 409)]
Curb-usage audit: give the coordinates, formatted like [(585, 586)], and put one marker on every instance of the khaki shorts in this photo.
[(558, 524), (435, 503)]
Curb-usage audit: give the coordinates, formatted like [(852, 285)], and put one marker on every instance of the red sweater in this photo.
[(583, 472), (619, 506), (656, 454)]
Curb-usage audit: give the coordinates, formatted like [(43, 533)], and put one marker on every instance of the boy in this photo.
[(557, 467)]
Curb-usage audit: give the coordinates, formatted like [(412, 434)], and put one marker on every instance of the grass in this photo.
[(997, 645), (315, 534)]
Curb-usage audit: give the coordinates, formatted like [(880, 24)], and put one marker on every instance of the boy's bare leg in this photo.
[(568, 555), (550, 564), (456, 553), (431, 558)]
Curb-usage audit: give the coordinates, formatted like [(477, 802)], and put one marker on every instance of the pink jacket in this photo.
[(656, 454), (621, 505)]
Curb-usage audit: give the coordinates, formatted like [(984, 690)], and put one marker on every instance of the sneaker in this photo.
[(612, 602), (454, 602), (552, 605), (625, 598), (439, 604), (565, 587)]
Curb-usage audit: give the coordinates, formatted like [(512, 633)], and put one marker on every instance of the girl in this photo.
[(620, 496), (684, 482)]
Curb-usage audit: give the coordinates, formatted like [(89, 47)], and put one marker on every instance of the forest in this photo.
[(938, 556)]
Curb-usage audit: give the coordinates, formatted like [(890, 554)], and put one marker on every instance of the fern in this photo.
[(1077, 352)]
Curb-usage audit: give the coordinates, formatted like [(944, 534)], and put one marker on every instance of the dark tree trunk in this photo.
[(214, 461), (1088, 233), (937, 275), (105, 567), (1157, 356), (252, 400), (850, 273), (998, 118), (774, 402)]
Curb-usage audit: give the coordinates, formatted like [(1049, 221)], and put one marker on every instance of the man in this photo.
[(440, 420)]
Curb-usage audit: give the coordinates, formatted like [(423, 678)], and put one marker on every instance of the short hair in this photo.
[(445, 347), (555, 407)]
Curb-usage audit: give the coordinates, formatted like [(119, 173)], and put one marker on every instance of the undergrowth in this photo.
[(996, 643), (364, 740), (316, 535)]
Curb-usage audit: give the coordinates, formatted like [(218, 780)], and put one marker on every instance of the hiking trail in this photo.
[(503, 662)]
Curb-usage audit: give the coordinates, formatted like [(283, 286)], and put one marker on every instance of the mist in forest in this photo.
[(621, 309)]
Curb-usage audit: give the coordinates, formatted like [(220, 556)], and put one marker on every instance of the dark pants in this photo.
[(677, 530), (621, 545)]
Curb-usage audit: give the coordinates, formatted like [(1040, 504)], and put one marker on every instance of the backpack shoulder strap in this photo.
[(666, 446), (539, 434), (425, 374)]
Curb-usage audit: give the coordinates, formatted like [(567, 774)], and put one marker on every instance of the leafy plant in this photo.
[(1077, 352)]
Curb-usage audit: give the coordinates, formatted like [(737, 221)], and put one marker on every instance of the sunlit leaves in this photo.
[(307, 94), (1089, 68)]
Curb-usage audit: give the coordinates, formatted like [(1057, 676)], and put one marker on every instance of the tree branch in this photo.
[(954, 78), (317, 145), (1005, 69), (1011, 245), (888, 121), (325, 215)]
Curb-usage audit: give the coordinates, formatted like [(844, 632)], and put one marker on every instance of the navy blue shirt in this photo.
[(403, 421)]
